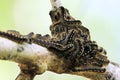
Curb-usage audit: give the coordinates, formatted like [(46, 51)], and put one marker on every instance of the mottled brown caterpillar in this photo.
[(69, 40), (16, 36)]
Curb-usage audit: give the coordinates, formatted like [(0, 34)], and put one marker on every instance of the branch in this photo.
[(35, 59), (55, 4)]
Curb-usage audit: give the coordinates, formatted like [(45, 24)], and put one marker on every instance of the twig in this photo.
[(55, 4)]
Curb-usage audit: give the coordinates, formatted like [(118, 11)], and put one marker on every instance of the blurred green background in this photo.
[(101, 17)]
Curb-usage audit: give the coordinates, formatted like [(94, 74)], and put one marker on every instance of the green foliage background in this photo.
[(101, 17)]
